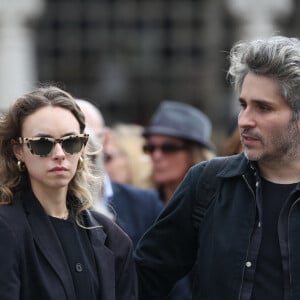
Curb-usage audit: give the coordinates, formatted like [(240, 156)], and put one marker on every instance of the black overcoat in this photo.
[(33, 265)]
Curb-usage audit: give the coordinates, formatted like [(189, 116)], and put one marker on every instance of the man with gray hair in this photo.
[(236, 220)]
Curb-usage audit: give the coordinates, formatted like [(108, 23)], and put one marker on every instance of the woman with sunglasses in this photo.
[(52, 245), (178, 137)]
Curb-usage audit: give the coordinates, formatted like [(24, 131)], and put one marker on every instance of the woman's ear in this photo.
[(18, 152)]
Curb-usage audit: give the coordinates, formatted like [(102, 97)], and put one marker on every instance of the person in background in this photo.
[(177, 137), (125, 160), (134, 209), (116, 159), (96, 163), (52, 245), (247, 245), (232, 143)]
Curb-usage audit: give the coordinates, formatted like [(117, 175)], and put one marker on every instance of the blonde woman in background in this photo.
[(125, 160)]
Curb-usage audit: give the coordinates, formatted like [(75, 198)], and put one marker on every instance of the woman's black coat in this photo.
[(33, 265)]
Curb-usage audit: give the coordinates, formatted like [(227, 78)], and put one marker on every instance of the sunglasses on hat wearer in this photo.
[(43, 146), (165, 148)]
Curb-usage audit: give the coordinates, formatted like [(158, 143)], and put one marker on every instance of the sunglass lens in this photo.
[(169, 148), (41, 147), (165, 148), (73, 144), (148, 148)]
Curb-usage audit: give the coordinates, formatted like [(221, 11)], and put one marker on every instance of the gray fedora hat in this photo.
[(181, 120)]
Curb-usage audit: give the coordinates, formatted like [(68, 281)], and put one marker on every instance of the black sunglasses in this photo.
[(43, 146), (164, 147)]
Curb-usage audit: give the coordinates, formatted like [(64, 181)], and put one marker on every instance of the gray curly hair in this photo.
[(277, 57)]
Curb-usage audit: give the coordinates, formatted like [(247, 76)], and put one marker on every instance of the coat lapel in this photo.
[(48, 243), (104, 257)]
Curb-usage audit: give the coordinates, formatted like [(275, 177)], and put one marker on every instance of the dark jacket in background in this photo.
[(135, 209)]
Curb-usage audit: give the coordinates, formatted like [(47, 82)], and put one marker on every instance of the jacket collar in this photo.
[(104, 257), (238, 165), (47, 240), (49, 245)]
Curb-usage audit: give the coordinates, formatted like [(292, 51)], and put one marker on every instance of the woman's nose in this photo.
[(58, 151)]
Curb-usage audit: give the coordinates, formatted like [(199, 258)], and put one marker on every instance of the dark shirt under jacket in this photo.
[(80, 257), (266, 268), (269, 280), (34, 264)]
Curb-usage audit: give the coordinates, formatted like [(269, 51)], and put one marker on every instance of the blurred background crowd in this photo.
[(126, 56)]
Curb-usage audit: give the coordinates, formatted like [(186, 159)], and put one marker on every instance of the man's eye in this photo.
[(264, 108), (242, 104)]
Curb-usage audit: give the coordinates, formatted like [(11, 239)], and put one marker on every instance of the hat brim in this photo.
[(174, 133)]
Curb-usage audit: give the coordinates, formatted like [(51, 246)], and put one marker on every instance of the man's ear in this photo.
[(106, 137)]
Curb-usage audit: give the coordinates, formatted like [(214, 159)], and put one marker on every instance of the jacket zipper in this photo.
[(253, 194)]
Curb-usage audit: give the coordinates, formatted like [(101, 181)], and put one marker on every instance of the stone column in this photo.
[(17, 48), (257, 18)]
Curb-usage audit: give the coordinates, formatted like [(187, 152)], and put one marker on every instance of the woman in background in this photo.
[(178, 137), (125, 160)]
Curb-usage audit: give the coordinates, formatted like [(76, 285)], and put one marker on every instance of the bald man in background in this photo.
[(134, 209)]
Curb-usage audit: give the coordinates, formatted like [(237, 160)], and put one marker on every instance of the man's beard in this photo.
[(285, 146)]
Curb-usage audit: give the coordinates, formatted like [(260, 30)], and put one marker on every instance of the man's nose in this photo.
[(246, 118)]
